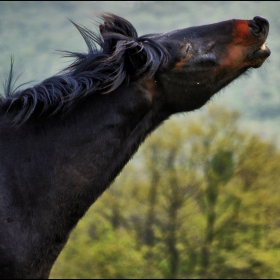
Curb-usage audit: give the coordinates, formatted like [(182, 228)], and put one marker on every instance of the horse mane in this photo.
[(115, 57)]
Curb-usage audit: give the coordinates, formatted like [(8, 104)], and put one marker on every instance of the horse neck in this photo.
[(56, 168), (90, 149)]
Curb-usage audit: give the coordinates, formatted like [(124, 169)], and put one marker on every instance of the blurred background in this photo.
[(201, 197)]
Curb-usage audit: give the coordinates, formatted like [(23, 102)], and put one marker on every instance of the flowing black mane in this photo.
[(123, 57)]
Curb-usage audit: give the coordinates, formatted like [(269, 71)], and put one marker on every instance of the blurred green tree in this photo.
[(200, 200)]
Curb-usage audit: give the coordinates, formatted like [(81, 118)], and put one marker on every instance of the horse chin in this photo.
[(259, 56)]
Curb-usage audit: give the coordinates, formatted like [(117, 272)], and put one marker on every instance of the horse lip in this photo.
[(257, 58), (262, 49)]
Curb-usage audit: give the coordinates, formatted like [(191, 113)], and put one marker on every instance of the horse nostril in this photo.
[(259, 20), (258, 25), (256, 19)]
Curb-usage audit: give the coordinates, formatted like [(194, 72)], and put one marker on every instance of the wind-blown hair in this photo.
[(115, 57)]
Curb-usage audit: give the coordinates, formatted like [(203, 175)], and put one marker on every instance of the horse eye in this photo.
[(188, 46)]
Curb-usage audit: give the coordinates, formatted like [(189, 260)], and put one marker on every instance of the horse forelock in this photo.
[(115, 57)]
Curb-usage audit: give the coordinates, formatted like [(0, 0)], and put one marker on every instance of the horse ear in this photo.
[(118, 25), (136, 59), (109, 43), (137, 55), (114, 29), (146, 56), (117, 44)]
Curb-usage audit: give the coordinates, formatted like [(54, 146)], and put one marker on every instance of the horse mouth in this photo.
[(259, 27), (263, 49), (260, 55)]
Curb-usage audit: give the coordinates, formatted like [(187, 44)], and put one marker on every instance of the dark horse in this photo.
[(63, 141)]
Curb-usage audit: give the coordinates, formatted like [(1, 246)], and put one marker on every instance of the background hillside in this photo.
[(215, 212)]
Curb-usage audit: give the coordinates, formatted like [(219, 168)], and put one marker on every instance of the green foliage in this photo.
[(200, 200), (88, 256)]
